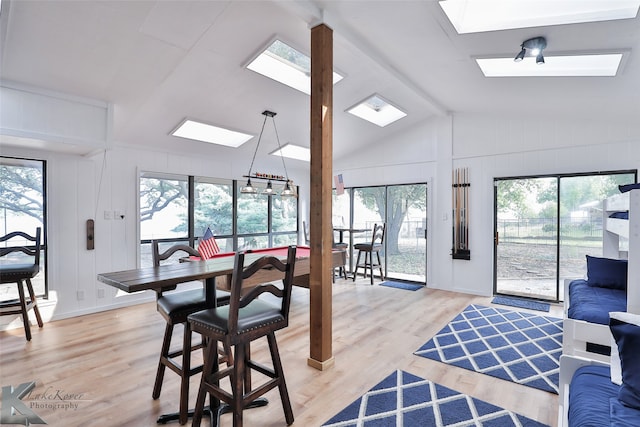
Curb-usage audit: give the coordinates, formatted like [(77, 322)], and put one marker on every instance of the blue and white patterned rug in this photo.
[(520, 347), (405, 400), (522, 303), (402, 285)]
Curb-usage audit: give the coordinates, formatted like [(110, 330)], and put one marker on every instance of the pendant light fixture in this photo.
[(270, 178)]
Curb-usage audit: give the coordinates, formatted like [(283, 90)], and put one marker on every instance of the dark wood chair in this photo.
[(377, 240), (175, 307), (307, 239), (339, 246), (21, 273), (244, 320), (342, 271)]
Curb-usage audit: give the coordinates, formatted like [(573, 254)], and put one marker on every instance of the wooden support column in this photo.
[(320, 226)]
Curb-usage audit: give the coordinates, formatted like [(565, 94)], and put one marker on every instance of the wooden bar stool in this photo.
[(339, 246), (377, 239), (175, 307), (21, 273), (244, 320)]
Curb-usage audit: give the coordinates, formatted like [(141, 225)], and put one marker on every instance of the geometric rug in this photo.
[(521, 303), (516, 346), (403, 399)]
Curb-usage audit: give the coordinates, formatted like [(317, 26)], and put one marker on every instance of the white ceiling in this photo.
[(161, 61)]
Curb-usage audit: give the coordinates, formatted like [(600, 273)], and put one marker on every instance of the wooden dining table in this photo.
[(351, 231), (211, 270), (221, 266)]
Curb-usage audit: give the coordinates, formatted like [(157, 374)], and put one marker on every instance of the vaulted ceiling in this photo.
[(161, 61)]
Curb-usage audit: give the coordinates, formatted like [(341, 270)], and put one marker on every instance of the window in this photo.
[(477, 16), (253, 212), (179, 208), (163, 207), (377, 110), (403, 208), (286, 65), (284, 220), (191, 129), (544, 227), (23, 208), (213, 208)]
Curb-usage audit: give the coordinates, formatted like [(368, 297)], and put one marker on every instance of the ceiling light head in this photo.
[(535, 45), (287, 191), (269, 190), (248, 189)]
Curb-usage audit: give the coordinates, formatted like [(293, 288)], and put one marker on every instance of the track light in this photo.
[(536, 45)]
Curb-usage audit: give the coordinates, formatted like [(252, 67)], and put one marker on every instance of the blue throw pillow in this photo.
[(628, 187), (621, 415), (620, 215), (607, 272), (625, 328)]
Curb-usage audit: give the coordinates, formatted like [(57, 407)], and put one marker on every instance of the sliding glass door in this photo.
[(406, 232), (527, 236), (544, 227), (581, 199), (403, 209)]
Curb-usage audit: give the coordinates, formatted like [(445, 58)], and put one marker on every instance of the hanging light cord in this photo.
[(258, 146), (280, 148)]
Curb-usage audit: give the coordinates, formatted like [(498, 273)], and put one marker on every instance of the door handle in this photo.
[(497, 238)]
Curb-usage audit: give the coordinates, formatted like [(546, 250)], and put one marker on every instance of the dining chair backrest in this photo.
[(307, 239), (240, 298), (158, 257), (20, 271), (30, 250), (377, 237)]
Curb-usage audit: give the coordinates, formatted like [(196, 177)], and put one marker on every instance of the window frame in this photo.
[(9, 160), (193, 234)]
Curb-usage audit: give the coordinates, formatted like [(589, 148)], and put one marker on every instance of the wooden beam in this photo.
[(320, 226)]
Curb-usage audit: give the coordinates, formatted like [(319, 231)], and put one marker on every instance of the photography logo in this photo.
[(12, 403)]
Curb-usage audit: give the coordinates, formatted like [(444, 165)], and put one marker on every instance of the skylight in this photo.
[(198, 131), (286, 65), (292, 151), (472, 16), (554, 66), (377, 110)]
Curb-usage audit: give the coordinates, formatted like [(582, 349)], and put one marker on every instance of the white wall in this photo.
[(82, 187), (490, 147)]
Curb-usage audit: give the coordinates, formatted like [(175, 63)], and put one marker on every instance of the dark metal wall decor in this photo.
[(460, 198)]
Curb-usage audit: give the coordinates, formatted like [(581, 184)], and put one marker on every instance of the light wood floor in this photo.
[(109, 360)]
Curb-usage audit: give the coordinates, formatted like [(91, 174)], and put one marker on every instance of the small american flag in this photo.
[(339, 184), (208, 246)]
